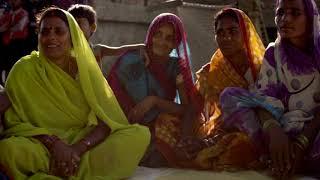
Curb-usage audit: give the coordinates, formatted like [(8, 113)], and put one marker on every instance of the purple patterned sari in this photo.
[(288, 87)]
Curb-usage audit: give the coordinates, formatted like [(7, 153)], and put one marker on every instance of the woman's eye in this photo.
[(60, 31), (280, 12), (296, 13), (44, 32)]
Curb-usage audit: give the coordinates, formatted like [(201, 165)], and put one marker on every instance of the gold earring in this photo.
[(72, 53)]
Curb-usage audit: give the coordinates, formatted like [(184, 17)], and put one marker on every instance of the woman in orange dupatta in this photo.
[(235, 64)]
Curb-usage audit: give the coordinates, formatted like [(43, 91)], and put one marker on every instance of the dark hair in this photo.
[(83, 11), (52, 12), (225, 13)]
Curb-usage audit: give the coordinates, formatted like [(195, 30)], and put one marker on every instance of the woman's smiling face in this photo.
[(54, 38), (163, 40)]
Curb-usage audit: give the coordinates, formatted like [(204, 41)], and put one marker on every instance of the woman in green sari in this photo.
[(64, 121)]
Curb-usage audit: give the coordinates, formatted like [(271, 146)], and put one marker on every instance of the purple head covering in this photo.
[(293, 56)]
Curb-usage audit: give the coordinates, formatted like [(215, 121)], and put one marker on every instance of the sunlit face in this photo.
[(86, 28), (291, 19), (163, 40), (54, 38), (228, 36)]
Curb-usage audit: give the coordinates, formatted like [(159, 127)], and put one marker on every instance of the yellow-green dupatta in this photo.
[(46, 100), (35, 79)]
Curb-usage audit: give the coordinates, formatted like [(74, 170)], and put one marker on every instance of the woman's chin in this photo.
[(161, 55), (285, 35), (53, 56)]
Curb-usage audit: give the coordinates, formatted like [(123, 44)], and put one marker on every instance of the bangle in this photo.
[(49, 141), (303, 141), (270, 122), (209, 141), (206, 143), (87, 143), (299, 146)]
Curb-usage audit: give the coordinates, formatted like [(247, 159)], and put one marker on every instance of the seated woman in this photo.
[(287, 98), (235, 64), (65, 122), (147, 93)]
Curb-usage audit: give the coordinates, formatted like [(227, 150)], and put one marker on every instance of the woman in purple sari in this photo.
[(282, 115)]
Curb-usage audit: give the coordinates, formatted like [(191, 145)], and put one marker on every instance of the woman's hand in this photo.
[(279, 149), (188, 147), (64, 160), (4, 101), (137, 113), (297, 155)]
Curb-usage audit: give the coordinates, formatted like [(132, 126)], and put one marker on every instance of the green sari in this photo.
[(46, 100)]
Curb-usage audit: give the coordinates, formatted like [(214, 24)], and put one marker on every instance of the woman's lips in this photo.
[(52, 46)]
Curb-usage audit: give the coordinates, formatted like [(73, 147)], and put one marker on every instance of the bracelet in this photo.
[(303, 141), (87, 143), (270, 122), (299, 146), (49, 141), (207, 142)]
